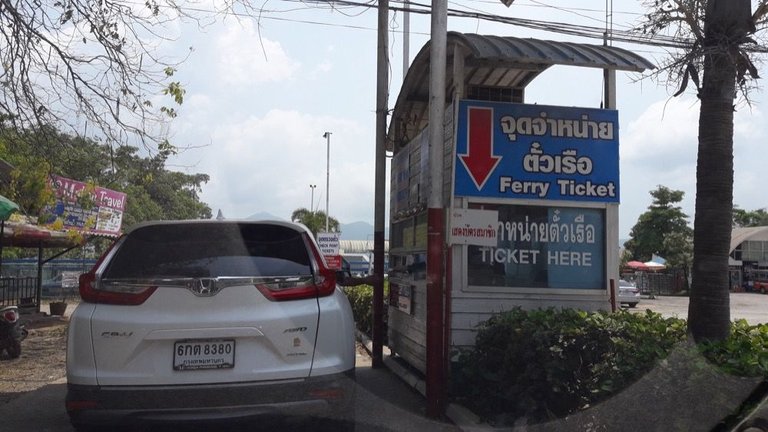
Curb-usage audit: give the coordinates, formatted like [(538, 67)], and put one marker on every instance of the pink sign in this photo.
[(101, 214), (333, 261)]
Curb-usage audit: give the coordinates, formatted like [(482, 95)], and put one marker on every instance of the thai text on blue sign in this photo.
[(542, 247), (506, 150)]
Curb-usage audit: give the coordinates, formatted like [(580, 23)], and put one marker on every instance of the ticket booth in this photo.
[(530, 192)]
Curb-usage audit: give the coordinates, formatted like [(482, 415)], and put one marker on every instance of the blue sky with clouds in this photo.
[(261, 93)]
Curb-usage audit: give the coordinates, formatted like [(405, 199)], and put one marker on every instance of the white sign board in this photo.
[(474, 227), (70, 279), (329, 246), (328, 243)]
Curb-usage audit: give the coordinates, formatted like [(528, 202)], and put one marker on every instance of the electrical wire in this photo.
[(624, 36)]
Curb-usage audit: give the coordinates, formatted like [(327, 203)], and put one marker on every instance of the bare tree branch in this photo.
[(684, 19), (72, 63)]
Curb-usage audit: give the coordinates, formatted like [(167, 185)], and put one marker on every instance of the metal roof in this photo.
[(25, 235), (740, 235), (359, 246), (500, 62)]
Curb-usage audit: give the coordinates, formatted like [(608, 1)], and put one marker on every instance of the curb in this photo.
[(463, 418), (756, 420)]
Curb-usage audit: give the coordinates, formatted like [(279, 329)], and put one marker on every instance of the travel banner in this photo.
[(542, 247), (508, 150), (100, 212)]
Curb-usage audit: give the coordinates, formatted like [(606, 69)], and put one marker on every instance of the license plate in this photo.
[(203, 354)]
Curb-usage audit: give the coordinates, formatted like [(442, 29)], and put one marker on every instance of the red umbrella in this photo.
[(637, 265), (654, 266)]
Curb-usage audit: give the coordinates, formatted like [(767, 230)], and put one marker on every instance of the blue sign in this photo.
[(542, 247), (506, 150)]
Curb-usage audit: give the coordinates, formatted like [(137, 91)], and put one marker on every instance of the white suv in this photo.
[(204, 320)]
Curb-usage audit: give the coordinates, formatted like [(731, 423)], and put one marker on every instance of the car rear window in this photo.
[(210, 250)]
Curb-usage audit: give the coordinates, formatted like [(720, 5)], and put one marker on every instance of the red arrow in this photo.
[(479, 160)]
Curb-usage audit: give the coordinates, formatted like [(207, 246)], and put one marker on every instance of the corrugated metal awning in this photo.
[(740, 235), (25, 235), (496, 62)]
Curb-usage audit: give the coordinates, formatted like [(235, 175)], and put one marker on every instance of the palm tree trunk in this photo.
[(709, 307)]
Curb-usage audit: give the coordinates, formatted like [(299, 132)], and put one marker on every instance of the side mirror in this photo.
[(342, 275)]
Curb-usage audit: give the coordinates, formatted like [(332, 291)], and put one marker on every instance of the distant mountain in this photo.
[(351, 231), (264, 216), (356, 231)]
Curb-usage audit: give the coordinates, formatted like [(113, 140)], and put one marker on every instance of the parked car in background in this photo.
[(210, 320), (629, 294)]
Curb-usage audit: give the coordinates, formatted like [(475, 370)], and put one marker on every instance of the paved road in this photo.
[(384, 403), (752, 307)]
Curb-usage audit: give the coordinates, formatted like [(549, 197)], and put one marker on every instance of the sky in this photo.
[(261, 93)]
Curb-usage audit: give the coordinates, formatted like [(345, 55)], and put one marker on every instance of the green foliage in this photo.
[(744, 352), (754, 218), (662, 230), (314, 220), (544, 364), (153, 192), (361, 299)]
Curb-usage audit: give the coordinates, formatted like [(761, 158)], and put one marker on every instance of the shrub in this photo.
[(744, 352), (543, 364), (361, 299)]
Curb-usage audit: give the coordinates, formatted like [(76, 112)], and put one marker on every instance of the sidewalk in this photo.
[(397, 386)]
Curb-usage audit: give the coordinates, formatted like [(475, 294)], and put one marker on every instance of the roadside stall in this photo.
[(25, 292), (80, 211)]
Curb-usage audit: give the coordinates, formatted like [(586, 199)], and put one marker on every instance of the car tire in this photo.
[(632, 305), (14, 349), (84, 428)]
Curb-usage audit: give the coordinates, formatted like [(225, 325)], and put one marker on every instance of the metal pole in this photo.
[(406, 37), (609, 75), (312, 198), (327, 137), (2, 239), (382, 78), (435, 212), (39, 287)]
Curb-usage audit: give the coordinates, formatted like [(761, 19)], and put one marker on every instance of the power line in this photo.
[(539, 4), (625, 36)]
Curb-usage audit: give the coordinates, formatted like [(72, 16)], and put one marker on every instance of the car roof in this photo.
[(293, 225)]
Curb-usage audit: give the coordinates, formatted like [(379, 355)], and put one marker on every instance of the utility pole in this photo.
[(382, 78), (406, 37), (435, 379), (327, 137)]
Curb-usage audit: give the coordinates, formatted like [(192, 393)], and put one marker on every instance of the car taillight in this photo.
[(293, 288), (112, 292), (115, 293), (322, 284), (10, 316)]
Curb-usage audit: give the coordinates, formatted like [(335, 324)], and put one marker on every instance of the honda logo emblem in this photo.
[(203, 287)]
